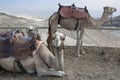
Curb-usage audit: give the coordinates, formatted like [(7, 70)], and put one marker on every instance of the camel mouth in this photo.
[(114, 10)]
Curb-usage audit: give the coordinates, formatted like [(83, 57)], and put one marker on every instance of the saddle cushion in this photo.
[(5, 48), (22, 49), (18, 46), (6, 45), (68, 12)]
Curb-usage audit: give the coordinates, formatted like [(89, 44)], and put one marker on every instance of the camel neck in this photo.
[(104, 17), (101, 20)]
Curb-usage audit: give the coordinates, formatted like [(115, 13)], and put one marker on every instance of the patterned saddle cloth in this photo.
[(18, 46), (6, 44)]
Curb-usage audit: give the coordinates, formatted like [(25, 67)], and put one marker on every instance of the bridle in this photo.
[(61, 47)]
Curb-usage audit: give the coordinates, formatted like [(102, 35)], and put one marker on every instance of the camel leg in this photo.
[(79, 45), (78, 42), (49, 43), (61, 60), (51, 48), (78, 33), (43, 70), (49, 59)]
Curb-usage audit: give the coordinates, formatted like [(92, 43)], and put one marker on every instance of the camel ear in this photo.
[(106, 7)]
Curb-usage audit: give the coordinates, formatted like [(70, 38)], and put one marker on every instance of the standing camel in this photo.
[(74, 18)]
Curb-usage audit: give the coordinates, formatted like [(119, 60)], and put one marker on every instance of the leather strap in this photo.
[(20, 65)]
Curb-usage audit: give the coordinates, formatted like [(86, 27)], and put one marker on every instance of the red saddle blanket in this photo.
[(68, 12)]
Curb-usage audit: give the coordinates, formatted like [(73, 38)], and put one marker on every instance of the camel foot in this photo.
[(52, 69), (52, 73), (79, 55), (83, 52), (60, 74), (80, 51)]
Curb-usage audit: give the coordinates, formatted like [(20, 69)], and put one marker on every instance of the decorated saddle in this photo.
[(72, 11), (17, 45), (6, 44)]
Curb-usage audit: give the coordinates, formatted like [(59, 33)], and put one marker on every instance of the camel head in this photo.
[(109, 10), (31, 30), (58, 39)]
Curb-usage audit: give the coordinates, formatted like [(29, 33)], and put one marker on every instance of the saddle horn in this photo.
[(59, 4), (73, 6), (86, 8)]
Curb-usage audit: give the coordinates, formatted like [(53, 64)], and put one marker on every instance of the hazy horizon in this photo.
[(46, 8)]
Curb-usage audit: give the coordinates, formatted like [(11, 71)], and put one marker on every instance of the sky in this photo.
[(45, 8)]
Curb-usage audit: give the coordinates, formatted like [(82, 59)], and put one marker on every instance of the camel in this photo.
[(42, 60), (58, 48), (30, 30), (74, 18), (57, 43)]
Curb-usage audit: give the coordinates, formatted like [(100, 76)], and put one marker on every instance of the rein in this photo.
[(60, 47)]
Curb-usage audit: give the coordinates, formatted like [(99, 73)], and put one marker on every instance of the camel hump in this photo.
[(72, 11)]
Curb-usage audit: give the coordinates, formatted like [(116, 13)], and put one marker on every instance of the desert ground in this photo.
[(98, 63)]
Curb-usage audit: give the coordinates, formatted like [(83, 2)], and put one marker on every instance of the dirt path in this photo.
[(96, 64)]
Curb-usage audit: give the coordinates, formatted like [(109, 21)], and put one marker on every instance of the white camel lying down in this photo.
[(43, 62)]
